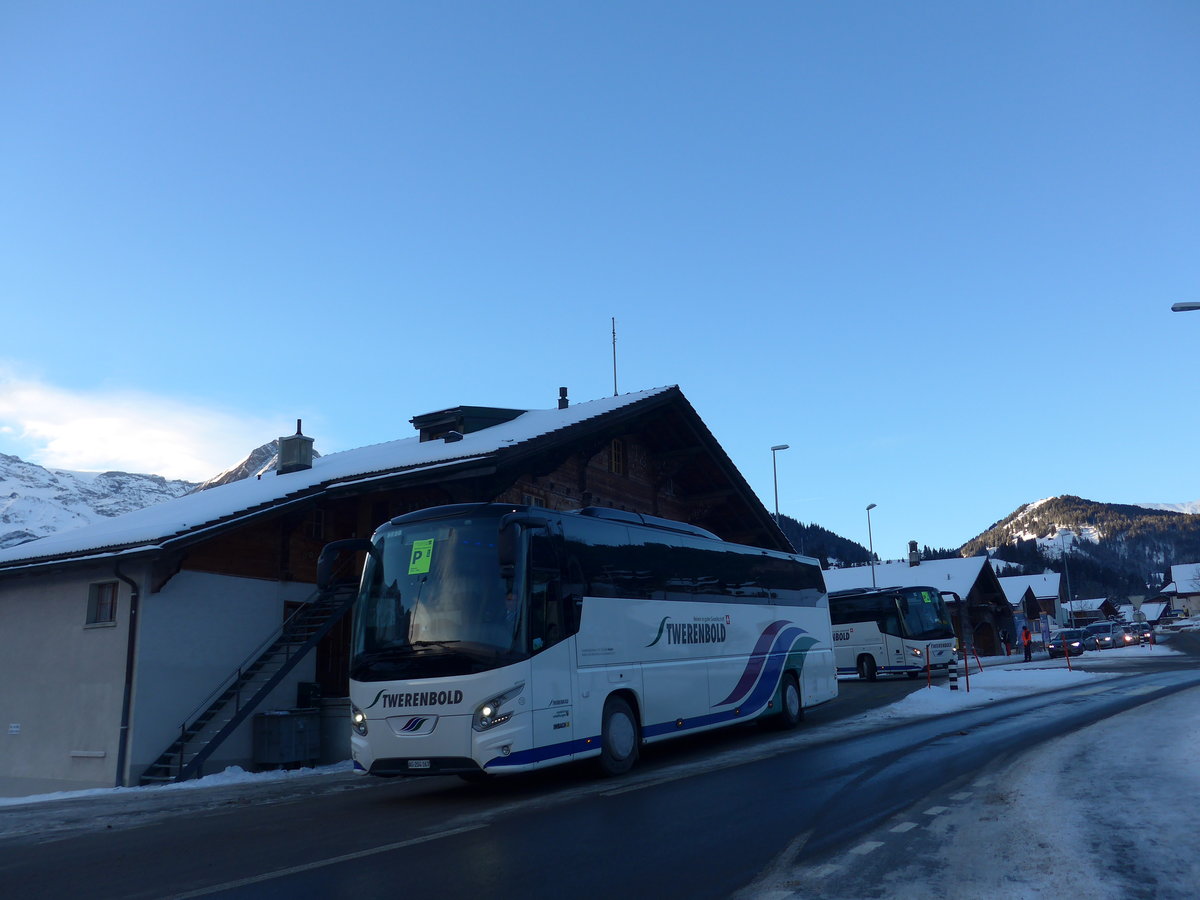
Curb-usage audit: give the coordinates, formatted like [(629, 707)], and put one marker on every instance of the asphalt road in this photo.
[(707, 817)]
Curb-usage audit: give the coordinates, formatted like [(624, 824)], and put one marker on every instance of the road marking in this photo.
[(322, 863), (903, 827), (962, 795), (1141, 689), (867, 847), (649, 782), (779, 871), (936, 810)]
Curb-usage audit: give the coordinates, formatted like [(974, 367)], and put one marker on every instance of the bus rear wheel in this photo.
[(791, 704), (618, 737), (866, 668)]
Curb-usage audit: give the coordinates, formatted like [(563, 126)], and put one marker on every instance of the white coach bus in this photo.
[(891, 630), (491, 639)]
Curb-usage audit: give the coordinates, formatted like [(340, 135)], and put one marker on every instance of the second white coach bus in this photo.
[(891, 630), (490, 639)]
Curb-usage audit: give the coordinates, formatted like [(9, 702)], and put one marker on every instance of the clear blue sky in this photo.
[(931, 246)]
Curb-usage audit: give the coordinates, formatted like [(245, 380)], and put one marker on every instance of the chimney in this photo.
[(562, 398), (914, 555), (295, 453)]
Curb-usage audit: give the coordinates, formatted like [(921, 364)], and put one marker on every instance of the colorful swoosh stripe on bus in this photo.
[(758, 659)]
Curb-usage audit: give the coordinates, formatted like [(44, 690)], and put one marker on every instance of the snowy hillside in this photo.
[(35, 501), (1192, 508)]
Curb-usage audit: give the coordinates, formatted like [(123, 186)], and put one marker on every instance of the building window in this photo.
[(316, 525), (102, 604), (616, 458), (533, 500)]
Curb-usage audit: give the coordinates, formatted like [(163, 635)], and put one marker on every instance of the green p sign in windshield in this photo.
[(422, 556)]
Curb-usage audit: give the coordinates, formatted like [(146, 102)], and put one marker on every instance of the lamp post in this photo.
[(871, 542), (1067, 576), (775, 476), (1185, 306)]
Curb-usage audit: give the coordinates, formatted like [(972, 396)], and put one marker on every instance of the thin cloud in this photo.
[(128, 431)]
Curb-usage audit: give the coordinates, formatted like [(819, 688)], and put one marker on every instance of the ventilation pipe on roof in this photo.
[(914, 555), (295, 453), (562, 398)]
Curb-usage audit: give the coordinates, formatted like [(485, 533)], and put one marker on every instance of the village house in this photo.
[(144, 648), (1036, 601), (1184, 590), (1093, 609)]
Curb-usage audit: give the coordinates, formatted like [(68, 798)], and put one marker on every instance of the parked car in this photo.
[(1068, 641), (1108, 635)]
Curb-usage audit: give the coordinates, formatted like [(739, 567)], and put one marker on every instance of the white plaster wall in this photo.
[(194, 633), (61, 684)]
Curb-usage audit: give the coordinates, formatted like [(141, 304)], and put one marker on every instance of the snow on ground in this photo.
[(1099, 809), (234, 775)]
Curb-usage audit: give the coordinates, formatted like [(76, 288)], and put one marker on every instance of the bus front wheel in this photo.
[(618, 737), (866, 668)]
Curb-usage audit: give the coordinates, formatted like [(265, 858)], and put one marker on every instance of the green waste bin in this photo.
[(287, 737)]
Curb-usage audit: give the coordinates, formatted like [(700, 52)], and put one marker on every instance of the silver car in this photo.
[(1109, 635)]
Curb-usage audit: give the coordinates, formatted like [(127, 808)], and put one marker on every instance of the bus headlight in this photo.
[(492, 712), (358, 721), (916, 651)]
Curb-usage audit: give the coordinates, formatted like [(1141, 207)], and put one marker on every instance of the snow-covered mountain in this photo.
[(259, 462), (1192, 508), (35, 501), (1113, 549)]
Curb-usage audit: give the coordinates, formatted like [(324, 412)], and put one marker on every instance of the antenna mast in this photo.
[(614, 335)]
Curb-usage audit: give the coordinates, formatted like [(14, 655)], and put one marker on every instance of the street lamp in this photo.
[(1185, 306), (775, 476), (871, 541)]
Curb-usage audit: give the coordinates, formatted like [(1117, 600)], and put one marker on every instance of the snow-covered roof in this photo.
[(1043, 586), (1153, 610), (1186, 577), (145, 528), (1093, 604), (1014, 592), (958, 575)]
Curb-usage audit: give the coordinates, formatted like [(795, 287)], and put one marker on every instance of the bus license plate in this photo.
[(418, 764)]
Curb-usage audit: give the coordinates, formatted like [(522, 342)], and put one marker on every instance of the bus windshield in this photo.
[(924, 613), (434, 602)]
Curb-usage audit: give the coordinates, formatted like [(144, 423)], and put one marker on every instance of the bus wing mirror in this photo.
[(331, 554), (510, 531)]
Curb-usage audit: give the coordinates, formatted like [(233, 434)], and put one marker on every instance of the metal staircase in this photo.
[(239, 694)]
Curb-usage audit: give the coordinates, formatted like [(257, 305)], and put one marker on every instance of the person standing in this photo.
[(1027, 642)]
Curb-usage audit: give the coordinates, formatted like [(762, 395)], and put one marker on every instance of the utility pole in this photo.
[(614, 336)]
